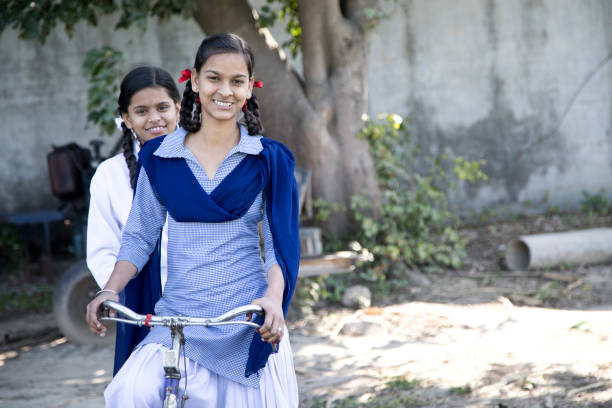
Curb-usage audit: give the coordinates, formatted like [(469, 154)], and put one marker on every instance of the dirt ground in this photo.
[(480, 336)]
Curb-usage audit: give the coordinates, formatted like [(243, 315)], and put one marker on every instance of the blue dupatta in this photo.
[(271, 171)]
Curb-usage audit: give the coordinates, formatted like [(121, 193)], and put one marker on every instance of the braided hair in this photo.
[(137, 79), (128, 152), (191, 109)]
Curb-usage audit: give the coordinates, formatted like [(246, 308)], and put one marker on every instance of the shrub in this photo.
[(595, 203), (12, 248), (412, 224)]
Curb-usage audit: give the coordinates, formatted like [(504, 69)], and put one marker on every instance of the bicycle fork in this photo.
[(172, 369)]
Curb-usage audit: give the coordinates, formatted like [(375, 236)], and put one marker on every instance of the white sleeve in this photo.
[(103, 229), (144, 224)]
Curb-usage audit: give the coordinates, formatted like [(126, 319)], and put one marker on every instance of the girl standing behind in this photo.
[(149, 106)]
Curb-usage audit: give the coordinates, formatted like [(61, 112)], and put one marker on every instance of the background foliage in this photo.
[(12, 248), (102, 68), (413, 226), (34, 19), (285, 11)]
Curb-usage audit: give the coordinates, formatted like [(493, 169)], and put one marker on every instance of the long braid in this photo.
[(251, 116), (190, 110), (128, 152)]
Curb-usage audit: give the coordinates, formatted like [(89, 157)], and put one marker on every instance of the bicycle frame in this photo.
[(176, 324)]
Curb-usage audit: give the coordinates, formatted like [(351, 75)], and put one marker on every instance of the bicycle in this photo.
[(176, 324)]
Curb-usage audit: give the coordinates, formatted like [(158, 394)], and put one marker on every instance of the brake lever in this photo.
[(105, 311)]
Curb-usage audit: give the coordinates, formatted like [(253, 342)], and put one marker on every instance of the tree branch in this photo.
[(322, 28), (314, 53), (365, 14), (225, 16)]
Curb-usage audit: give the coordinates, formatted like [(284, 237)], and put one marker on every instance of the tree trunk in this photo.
[(318, 119)]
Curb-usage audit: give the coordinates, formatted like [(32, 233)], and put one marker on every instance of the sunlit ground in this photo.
[(55, 374), (488, 350), (431, 351)]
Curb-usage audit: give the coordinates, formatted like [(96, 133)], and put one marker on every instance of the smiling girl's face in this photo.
[(223, 84), (151, 113)]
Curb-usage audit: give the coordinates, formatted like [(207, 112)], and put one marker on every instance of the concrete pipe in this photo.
[(581, 247)]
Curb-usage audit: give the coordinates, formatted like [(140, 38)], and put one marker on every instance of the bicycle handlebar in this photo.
[(137, 319)]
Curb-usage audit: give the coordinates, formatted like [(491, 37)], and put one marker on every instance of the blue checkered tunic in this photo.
[(212, 267)]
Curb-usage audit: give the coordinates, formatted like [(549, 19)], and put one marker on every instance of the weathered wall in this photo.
[(525, 85), (44, 95)]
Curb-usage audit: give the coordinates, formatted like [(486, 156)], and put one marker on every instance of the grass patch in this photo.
[(36, 298), (465, 390), (402, 384), (397, 392)]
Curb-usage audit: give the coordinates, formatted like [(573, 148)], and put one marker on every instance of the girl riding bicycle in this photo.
[(216, 180)]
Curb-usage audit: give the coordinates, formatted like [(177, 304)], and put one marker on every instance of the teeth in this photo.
[(156, 129), (224, 104)]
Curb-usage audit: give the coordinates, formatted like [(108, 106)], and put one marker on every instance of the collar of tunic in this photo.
[(173, 145)]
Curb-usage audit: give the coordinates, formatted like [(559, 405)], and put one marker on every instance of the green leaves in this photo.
[(597, 203), (469, 170), (35, 19), (413, 224), (138, 11), (284, 11), (102, 67), (12, 247)]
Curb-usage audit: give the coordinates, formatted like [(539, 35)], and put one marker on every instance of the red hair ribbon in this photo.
[(256, 84), (185, 75)]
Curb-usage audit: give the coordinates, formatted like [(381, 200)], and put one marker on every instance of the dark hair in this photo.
[(221, 43), (137, 79)]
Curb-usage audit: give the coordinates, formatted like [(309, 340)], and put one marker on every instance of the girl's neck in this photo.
[(218, 135)]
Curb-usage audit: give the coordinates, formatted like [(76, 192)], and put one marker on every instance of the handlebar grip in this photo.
[(125, 311), (239, 311)]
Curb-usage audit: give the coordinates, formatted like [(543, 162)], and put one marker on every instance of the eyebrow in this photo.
[(212, 71), (146, 106)]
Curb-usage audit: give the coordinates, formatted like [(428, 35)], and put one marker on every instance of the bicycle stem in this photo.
[(172, 356)]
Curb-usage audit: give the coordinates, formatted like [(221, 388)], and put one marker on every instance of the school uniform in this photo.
[(109, 206), (214, 265)]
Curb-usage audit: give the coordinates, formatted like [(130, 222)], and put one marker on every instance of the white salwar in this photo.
[(140, 383), (109, 207)]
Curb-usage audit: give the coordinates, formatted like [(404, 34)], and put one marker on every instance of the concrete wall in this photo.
[(43, 96), (525, 85)]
